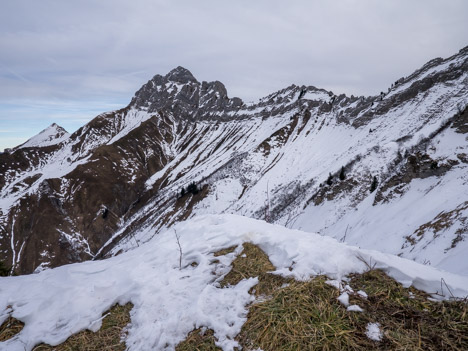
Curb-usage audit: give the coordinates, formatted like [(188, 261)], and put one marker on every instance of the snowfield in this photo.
[(52, 135), (170, 301)]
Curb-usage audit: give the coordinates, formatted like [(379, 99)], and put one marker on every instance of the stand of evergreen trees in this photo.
[(4, 270), (191, 188)]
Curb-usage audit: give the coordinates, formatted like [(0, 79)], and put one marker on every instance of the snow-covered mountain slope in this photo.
[(172, 294), (52, 135), (302, 157)]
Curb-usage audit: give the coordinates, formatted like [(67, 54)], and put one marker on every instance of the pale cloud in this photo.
[(103, 51)]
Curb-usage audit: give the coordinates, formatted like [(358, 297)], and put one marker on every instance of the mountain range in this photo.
[(386, 172)]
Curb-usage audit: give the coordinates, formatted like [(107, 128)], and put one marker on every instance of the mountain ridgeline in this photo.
[(387, 172)]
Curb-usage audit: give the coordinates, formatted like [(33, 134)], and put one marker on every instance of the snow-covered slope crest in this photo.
[(169, 301), (52, 135)]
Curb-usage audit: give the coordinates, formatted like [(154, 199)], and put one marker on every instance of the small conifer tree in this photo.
[(192, 188), (342, 174), (330, 179), (4, 270), (374, 184)]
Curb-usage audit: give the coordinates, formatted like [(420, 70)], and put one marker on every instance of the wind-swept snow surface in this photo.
[(171, 300), (52, 135)]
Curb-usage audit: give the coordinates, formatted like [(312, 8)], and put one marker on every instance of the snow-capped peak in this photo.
[(52, 135)]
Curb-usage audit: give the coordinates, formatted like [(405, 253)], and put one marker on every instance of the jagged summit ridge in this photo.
[(181, 92)]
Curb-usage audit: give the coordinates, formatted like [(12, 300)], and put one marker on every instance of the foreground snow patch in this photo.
[(373, 331), (170, 301)]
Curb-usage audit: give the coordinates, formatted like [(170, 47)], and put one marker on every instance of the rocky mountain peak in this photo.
[(180, 91), (180, 75), (52, 135), (463, 50), (216, 87)]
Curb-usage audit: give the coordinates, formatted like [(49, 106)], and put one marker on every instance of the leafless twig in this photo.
[(442, 280), (180, 248), (267, 210), (133, 236), (344, 237), (370, 265), (292, 219)]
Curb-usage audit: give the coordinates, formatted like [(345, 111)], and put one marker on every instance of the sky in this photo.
[(67, 61)]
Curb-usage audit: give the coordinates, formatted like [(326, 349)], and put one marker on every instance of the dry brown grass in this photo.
[(225, 251), (410, 321), (253, 262), (108, 337), (301, 316), (199, 340), (10, 328), (307, 316)]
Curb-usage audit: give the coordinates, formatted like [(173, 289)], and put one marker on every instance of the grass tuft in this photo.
[(225, 251), (10, 328), (410, 321), (253, 262), (301, 316), (307, 316), (199, 340), (109, 337)]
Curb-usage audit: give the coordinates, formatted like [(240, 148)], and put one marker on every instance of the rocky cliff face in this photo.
[(301, 157), (181, 94)]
